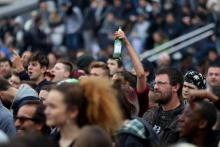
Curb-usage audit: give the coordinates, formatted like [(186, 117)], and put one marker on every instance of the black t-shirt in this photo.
[(165, 123)]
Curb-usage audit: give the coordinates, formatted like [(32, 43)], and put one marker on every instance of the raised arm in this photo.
[(19, 68), (141, 78)]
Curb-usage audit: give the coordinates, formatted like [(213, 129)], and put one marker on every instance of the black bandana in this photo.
[(196, 79)]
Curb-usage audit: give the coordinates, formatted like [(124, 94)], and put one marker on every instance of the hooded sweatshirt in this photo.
[(24, 93), (136, 133)]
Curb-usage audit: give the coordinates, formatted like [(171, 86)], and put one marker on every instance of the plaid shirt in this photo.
[(134, 127)]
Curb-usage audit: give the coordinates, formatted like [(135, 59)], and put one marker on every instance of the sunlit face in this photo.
[(43, 95), (24, 121), (186, 88), (56, 110), (113, 66), (162, 89), (59, 72), (213, 76), (14, 81), (5, 68), (25, 58), (35, 71)]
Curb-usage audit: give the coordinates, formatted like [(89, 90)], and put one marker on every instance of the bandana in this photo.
[(196, 79)]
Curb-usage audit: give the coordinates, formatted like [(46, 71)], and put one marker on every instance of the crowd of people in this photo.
[(64, 28), (61, 86)]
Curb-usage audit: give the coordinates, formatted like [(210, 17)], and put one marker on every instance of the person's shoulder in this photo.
[(4, 112), (137, 130), (134, 127), (150, 113), (180, 108)]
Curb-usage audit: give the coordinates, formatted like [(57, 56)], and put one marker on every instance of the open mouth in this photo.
[(30, 73), (49, 74)]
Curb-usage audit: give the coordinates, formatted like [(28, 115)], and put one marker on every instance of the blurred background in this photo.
[(180, 33)]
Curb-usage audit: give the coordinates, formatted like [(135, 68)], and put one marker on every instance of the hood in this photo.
[(134, 127), (24, 93), (140, 128)]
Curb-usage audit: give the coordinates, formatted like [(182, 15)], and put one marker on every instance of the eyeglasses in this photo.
[(160, 83), (22, 119)]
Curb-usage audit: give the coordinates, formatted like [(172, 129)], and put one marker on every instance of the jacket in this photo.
[(136, 133), (165, 123)]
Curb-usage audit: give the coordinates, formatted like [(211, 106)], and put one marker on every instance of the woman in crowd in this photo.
[(71, 106)]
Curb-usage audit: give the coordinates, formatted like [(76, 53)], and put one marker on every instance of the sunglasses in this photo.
[(23, 119)]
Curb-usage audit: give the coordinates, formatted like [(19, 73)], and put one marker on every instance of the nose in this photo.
[(46, 111), (155, 86), (17, 123), (29, 67)]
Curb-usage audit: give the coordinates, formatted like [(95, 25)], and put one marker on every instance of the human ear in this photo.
[(39, 126), (73, 113), (43, 69), (66, 74), (176, 87), (202, 124)]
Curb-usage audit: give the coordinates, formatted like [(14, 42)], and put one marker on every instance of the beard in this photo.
[(163, 98)]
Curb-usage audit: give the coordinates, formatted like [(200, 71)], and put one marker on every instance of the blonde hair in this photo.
[(102, 106)]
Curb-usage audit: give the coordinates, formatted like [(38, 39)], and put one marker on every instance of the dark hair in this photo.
[(74, 98), (83, 62), (208, 112), (129, 77), (4, 84), (122, 100), (47, 87), (175, 77), (67, 65), (215, 65), (6, 60), (149, 67), (41, 58), (118, 60), (38, 116)]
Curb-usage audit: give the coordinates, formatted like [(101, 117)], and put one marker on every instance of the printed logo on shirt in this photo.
[(157, 129)]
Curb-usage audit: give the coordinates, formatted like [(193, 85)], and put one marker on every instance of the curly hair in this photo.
[(95, 101), (102, 106)]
